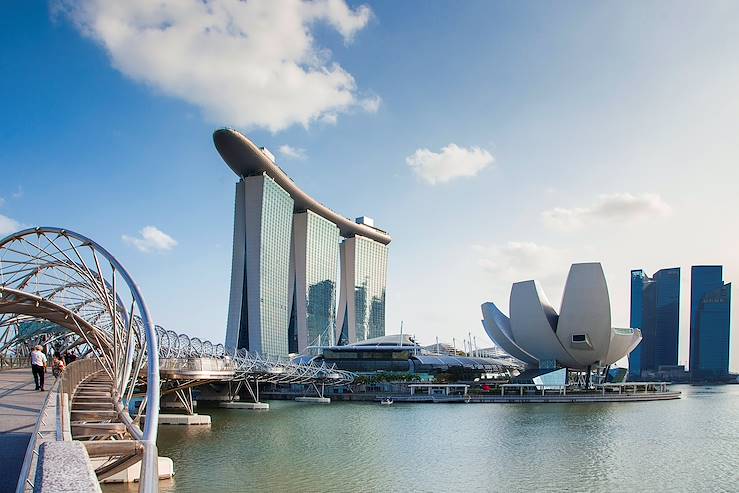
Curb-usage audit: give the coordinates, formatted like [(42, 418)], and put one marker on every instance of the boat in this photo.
[(386, 401)]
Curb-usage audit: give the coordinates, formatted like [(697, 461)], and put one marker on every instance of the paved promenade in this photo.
[(19, 407)]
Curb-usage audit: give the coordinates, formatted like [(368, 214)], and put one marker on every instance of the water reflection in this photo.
[(690, 444)]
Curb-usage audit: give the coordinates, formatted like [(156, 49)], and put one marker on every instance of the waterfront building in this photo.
[(400, 353), (580, 337), (258, 304), (285, 262), (314, 275), (710, 331), (361, 312), (655, 310)]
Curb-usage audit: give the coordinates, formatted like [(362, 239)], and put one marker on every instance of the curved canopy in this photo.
[(246, 159)]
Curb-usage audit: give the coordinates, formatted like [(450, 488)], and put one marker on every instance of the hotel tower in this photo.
[(293, 259)]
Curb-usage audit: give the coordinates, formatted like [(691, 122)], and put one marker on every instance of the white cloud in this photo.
[(252, 64), (18, 193), (2, 201), (8, 225), (621, 207), (521, 260), (452, 162), (151, 239), (371, 105), (292, 152)]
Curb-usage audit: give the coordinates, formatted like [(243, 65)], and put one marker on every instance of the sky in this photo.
[(495, 141)]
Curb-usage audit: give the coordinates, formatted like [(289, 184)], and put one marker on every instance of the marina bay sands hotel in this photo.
[(290, 256)]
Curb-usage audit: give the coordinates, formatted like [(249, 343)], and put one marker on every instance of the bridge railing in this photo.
[(197, 364), (76, 372), (11, 362), (46, 429)]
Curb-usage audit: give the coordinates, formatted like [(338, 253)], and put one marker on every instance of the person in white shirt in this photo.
[(38, 367)]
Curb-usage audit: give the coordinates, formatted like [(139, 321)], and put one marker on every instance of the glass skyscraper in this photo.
[(655, 309), (710, 312), (258, 308), (286, 261), (314, 274), (362, 300), (639, 280)]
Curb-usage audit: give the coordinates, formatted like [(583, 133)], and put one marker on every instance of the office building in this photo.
[(655, 310), (710, 318)]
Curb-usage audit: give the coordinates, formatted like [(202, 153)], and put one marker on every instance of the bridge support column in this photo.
[(180, 400)]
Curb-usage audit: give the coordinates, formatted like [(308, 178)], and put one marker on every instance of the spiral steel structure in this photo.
[(246, 365), (61, 289)]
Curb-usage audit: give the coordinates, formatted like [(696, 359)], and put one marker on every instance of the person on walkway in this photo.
[(69, 357), (57, 366), (38, 367)]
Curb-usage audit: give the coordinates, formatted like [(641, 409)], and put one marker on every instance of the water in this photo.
[(687, 445)]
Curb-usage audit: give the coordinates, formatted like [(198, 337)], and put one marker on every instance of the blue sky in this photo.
[(607, 132)]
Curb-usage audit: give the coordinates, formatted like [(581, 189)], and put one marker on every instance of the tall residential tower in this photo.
[(286, 262)]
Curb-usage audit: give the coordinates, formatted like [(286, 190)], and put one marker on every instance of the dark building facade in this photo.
[(655, 309), (710, 315)]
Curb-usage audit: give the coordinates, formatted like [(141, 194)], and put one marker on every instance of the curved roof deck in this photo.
[(246, 159)]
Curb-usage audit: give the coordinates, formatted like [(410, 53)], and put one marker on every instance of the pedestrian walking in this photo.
[(38, 367), (57, 366)]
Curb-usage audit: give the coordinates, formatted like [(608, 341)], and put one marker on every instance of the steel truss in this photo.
[(64, 291)]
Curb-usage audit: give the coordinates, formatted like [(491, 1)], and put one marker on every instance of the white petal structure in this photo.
[(498, 327), (579, 337)]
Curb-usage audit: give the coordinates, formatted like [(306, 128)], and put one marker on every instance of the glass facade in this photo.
[(316, 257), (287, 261), (638, 280), (710, 312), (371, 268), (667, 316), (362, 310), (274, 262), (655, 309)]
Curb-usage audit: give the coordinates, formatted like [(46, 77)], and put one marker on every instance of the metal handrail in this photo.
[(10, 363), (76, 372)]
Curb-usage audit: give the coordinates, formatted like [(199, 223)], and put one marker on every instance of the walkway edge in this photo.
[(28, 460)]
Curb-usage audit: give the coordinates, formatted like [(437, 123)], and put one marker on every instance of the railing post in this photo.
[(149, 475)]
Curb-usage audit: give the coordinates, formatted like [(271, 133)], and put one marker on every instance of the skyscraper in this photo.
[(314, 275), (285, 260), (362, 299), (259, 302), (655, 309), (710, 312), (639, 280)]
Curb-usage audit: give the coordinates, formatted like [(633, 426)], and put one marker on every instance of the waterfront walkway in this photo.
[(19, 409)]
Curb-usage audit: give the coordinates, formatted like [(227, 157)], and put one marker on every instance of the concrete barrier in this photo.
[(315, 400), (253, 406), (64, 467)]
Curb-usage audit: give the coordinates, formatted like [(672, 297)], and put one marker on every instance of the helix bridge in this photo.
[(63, 290)]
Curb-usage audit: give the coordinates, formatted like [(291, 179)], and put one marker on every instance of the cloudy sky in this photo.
[(496, 141)]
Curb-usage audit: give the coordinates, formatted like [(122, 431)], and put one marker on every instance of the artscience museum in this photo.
[(580, 337)]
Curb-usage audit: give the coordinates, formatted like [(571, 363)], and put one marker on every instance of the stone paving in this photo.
[(19, 408)]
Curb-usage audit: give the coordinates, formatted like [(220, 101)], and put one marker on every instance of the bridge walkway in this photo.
[(20, 405)]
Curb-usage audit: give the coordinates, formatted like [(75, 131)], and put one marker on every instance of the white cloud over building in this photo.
[(251, 64)]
